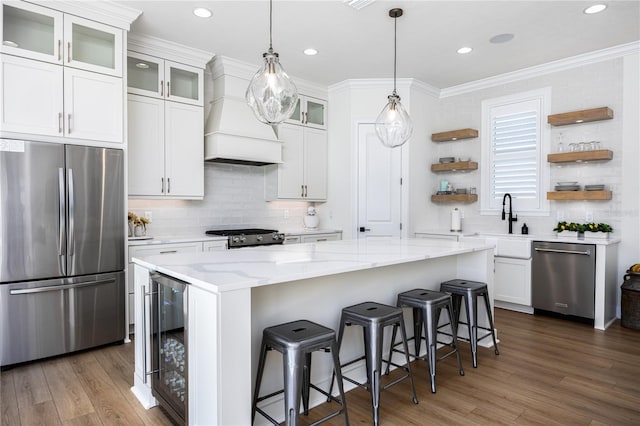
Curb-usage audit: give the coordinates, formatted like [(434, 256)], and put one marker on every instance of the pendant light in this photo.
[(393, 125), (271, 94)]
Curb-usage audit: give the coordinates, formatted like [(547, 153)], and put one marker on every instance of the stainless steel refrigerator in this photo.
[(62, 260)]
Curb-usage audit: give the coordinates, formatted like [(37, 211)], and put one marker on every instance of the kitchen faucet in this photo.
[(511, 218)]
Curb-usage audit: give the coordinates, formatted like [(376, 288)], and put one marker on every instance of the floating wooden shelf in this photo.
[(454, 135), (579, 195), (584, 116), (459, 166), (579, 156), (461, 198)]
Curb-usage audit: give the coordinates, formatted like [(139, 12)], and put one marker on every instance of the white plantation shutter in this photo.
[(512, 152)]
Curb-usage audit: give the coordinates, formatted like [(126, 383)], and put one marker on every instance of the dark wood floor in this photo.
[(549, 372)]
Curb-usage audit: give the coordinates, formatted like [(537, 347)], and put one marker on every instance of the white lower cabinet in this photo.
[(303, 173), (166, 153), (50, 100), (214, 245), (312, 238), (154, 250), (291, 239), (512, 280)]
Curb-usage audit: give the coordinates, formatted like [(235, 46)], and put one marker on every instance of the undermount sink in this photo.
[(510, 245)]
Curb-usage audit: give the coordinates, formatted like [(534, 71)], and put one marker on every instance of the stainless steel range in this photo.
[(249, 237)]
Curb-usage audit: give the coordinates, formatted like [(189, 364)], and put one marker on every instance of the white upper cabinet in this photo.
[(310, 112), (303, 173), (159, 78), (47, 35)]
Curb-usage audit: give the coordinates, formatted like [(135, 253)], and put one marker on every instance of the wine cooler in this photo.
[(169, 345)]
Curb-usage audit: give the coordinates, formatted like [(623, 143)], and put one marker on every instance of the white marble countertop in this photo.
[(258, 266), (175, 239), (307, 231), (554, 238)]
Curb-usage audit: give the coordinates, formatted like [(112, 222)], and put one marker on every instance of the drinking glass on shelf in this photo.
[(595, 145), (583, 146), (560, 142), (573, 147)]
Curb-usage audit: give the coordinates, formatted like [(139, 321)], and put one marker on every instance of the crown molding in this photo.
[(165, 49), (547, 68), (402, 84), (106, 12)]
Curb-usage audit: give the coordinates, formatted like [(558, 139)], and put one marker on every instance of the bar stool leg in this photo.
[(293, 363), (256, 392), (406, 355), (336, 368), (373, 355), (394, 333), (454, 337), (472, 320), (306, 383), (430, 332), (487, 305), (338, 374)]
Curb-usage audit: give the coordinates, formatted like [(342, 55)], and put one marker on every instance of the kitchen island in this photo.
[(233, 295)]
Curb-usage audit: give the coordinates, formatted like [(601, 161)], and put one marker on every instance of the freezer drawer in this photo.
[(52, 317)]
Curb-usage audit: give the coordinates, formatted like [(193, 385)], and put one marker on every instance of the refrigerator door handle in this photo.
[(59, 287), (61, 209), (72, 235)]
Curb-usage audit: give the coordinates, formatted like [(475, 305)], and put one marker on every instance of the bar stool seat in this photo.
[(469, 291), (427, 305), (373, 318), (296, 341)]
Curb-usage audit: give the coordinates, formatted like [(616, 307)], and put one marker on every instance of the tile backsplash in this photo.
[(234, 196)]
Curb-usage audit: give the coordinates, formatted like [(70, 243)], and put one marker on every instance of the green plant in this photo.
[(582, 227), (598, 227)]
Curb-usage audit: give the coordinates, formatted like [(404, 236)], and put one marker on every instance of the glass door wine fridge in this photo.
[(169, 345)]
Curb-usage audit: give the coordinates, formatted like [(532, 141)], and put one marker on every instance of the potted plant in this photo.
[(131, 219), (597, 230), (571, 229), (140, 229)]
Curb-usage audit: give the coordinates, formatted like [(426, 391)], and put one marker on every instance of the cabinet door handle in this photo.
[(69, 123), (69, 51), (305, 190), (60, 122), (168, 185), (321, 239), (168, 89), (161, 87), (302, 190), (168, 251), (162, 189), (59, 50)]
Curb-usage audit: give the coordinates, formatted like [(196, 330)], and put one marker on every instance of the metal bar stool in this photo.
[(470, 291), (427, 305), (296, 341), (373, 318)]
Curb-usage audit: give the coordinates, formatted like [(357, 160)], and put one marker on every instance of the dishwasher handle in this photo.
[(585, 253)]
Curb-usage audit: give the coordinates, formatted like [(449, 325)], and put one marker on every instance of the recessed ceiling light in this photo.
[(358, 4), (201, 12), (595, 9), (501, 38), (142, 65), (464, 50), (310, 52)]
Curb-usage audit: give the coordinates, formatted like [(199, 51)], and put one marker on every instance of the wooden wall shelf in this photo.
[(459, 166), (461, 198), (578, 156), (584, 116), (579, 195), (454, 135)]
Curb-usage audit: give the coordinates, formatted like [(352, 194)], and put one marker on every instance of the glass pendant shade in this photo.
[(271, 94), (393, 125)]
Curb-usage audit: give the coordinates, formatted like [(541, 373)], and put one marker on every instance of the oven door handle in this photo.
[(546, 250)]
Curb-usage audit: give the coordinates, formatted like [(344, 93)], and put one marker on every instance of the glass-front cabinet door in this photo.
[(31, 31), (92, 46), (310, 112), (145, 75), (184, 83)]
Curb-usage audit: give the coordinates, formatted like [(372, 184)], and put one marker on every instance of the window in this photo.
[(514, 147)]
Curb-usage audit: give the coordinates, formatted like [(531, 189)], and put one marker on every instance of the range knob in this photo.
[(275, 236), (243, 238), (236, 239), (259, 238)]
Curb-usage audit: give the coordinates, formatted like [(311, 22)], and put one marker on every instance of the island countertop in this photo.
[(250, 267)]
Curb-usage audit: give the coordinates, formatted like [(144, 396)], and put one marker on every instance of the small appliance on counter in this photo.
[(311, 221), (456, 220)]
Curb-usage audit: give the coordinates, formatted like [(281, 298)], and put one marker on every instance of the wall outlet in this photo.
[(588, 217), (560, 216), (286, 213), (149, 215)]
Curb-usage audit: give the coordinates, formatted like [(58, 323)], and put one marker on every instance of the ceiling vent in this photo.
[(358, 4)]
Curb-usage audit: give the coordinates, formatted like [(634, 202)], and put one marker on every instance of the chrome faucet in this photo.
[(511, 219)]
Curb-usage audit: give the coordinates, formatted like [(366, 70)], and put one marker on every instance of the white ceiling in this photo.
[(359, 44)]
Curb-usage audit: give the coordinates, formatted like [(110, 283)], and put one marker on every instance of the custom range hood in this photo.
[(232, 133)]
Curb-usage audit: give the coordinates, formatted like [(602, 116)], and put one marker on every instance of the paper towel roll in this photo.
[(455, 220)]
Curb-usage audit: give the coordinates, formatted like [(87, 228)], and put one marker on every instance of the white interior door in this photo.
[(379, 186)]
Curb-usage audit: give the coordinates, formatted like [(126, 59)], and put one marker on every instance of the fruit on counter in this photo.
[(635, 268)]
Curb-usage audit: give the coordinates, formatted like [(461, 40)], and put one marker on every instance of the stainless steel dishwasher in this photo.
[(563, 278)]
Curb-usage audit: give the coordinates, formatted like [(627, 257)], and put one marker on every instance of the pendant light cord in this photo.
[(270, 24), (395, 43)]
